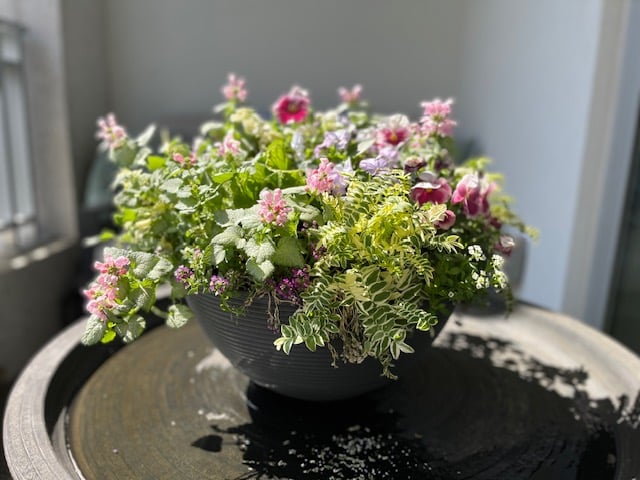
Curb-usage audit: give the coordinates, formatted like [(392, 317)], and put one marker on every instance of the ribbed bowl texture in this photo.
[(247, 342)]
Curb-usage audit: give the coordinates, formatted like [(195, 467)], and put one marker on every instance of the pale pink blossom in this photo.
[(352, 96), (234, 90), (228, 146), (292, 107), (112, 135), (116, 266), (435, 120), (473, 191), (326, 178), (273, 208), (185, 162)]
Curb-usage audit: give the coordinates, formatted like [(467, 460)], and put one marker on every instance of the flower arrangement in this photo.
[(362, 221)]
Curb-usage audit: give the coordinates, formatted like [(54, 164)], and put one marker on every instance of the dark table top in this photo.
[(536, 395)]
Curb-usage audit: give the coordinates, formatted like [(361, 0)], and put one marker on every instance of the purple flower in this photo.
[(218, 284), (183, 274), (290, 288), (339, 138), (386, 159)]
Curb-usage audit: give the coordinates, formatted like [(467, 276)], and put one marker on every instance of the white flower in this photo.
[(476, 252), (497, 261)]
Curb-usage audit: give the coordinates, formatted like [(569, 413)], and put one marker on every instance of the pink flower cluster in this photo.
[(435, 120), (326, 179), (350, 97), (102, 293), (292, 107), (228, 146), (273, 208), (234, 90), (185, 162), (112, 135)]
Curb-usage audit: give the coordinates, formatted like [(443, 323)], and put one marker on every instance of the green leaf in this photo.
[(310, 342), (172, 185), (144, 296), (259, 251), (154, 162), (223, 177), (93, 331), (219, 254), (141, 156), (276, 156), (132, 329), (148, 265), (178, 316), (109, 336), (229, 236), (287, 253), (259, 271)]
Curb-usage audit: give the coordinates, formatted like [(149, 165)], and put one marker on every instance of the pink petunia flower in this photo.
[(292, 107), (234, 90), (473, 192), (273, 208), (430, 189)]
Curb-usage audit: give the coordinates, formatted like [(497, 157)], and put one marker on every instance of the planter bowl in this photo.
[(247, 343)]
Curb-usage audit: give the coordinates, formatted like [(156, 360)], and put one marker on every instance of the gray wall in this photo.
[(168, 57)]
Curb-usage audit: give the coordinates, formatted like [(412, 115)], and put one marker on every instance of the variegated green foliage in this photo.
[(371, 285)]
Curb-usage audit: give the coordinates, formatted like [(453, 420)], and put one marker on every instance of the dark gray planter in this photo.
[(247, 343)]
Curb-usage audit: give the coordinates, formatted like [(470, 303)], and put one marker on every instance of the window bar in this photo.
[(18, 229)]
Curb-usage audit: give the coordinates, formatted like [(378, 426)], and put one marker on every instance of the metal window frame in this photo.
[(19, 230)]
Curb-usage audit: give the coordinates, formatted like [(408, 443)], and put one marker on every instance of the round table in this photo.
[(534, 395)]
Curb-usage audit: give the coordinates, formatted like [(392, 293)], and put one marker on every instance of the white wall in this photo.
[(168, 57), (527, 73)]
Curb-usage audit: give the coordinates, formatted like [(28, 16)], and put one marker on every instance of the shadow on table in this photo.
[(480, 408)]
